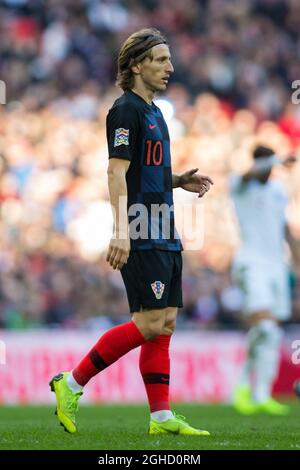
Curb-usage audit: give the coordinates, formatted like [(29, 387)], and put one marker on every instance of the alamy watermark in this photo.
[(296, 354), (160, 223), (2, 353), (2, 92), (296, 94)]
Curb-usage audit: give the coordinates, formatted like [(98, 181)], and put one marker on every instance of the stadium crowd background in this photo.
[(234, 63)]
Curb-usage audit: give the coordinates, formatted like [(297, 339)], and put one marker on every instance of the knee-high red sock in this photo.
[(155, 370), (111, 346)]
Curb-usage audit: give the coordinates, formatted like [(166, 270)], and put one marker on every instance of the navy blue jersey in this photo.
[(137, 131)]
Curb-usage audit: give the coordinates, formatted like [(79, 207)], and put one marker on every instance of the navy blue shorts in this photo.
[(153, 279)]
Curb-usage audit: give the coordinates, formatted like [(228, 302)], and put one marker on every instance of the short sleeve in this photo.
[(122, 129)]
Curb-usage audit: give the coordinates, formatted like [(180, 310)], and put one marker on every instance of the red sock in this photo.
[(155, 370), (110, 347)]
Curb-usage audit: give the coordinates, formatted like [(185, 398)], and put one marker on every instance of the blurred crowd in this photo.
[(235, 62)]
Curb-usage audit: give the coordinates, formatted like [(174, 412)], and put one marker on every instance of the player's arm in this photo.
[(261, 166), (121, 131), (175, 180), (119, 246), (190, 181)]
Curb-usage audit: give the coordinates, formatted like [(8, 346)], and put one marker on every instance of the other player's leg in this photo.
[(263, 345)]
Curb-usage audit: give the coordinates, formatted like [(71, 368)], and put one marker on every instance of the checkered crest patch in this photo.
[(158, 288)]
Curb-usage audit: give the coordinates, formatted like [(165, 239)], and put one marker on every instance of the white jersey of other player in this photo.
[(260, 210)]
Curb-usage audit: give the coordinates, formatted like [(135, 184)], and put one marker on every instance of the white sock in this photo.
[(74, 386), (245, 376), (266, 359), (162, 415)]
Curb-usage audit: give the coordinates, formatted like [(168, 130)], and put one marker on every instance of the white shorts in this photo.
[(265, 287)]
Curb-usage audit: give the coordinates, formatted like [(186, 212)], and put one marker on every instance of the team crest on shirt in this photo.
[(158, 288), (121, 137)]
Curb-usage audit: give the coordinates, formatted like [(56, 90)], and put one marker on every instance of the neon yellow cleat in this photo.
[(242, 400), (66, 402), (176, 425), (273, 407)]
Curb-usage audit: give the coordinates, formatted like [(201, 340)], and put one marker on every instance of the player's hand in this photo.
[(194, 183), (118, 252)]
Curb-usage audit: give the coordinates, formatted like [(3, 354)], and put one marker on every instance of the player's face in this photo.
[(155, 73)]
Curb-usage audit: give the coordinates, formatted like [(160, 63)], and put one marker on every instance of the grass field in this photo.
[(125, 427)]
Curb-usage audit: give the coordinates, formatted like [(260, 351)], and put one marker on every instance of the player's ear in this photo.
[(136, 69)]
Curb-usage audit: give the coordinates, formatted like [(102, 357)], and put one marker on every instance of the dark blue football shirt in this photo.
[(137, 131)]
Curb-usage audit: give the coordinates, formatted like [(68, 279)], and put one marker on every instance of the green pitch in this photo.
[(125, 427)]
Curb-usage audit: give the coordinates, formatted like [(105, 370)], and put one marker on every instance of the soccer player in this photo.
[(150, 262), (259, 267)]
